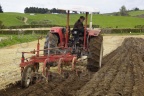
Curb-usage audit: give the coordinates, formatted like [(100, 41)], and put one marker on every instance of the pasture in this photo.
[(104, 21)]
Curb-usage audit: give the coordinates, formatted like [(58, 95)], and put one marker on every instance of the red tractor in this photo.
[(61, 48)]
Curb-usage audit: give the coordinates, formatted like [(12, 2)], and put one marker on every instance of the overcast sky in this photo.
[(104, 6)]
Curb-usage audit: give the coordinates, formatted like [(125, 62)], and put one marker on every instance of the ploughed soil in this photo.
[(122, 74)]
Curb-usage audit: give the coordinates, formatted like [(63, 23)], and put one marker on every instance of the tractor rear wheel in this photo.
[(95, 53), (52, 40)]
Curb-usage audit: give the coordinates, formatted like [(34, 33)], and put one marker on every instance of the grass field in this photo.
[(14, 19), (136, 13), (17, 39)]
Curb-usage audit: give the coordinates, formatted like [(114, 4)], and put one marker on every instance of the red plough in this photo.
[(29, 68)]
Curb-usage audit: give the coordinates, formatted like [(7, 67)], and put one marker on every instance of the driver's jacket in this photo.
[(79, 25)]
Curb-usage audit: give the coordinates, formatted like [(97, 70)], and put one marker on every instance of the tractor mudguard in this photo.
[(60, 32), (93, 32)]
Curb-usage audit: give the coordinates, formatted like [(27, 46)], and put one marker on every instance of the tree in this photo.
[(136, 9), (1, 11), (53, 10), (26, 10), (35, 10), (123, 11)]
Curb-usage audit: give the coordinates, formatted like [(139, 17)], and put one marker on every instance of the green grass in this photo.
[(136, 13), (17, 39), (10, 19), (120, 21)]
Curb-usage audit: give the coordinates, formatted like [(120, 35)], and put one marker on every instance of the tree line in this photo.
[(42, 10), (124, 12), (1, 10)]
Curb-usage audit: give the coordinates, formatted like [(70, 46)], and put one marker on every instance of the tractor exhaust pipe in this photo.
[(90, 26)]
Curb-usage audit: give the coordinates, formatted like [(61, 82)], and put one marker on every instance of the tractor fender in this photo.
[(94, 32), (60, 32)]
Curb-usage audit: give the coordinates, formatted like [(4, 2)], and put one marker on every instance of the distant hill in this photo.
[(16, 19), (136, 13), (131, 13)]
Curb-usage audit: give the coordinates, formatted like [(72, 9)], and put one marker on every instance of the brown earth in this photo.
[(121, 75), (10, 59)]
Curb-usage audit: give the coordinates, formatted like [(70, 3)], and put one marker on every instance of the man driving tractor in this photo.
[(77, 32), (79, 25)]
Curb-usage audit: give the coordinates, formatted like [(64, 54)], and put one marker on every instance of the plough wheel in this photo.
[(27, 76)]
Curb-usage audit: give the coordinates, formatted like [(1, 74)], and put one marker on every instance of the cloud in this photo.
[(104, 6)]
